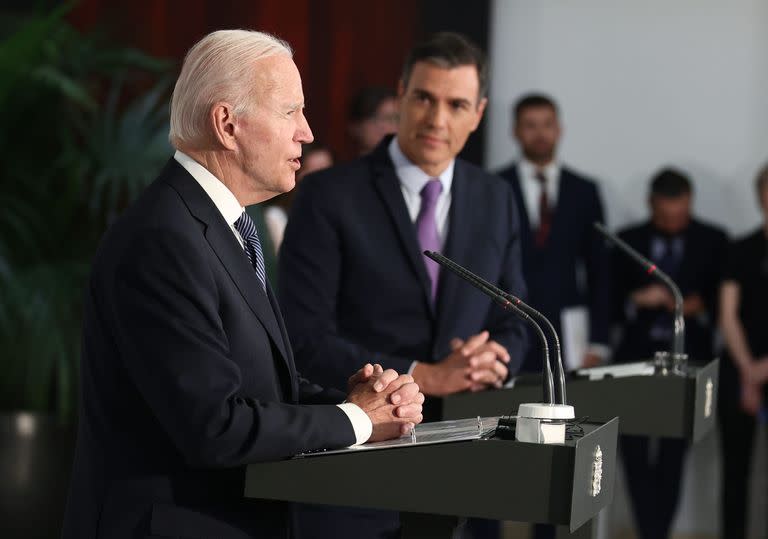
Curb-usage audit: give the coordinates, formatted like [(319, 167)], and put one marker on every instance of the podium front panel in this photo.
[(496, 479)]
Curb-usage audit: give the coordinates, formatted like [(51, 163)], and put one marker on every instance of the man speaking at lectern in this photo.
[(354, 284), (187, 372)]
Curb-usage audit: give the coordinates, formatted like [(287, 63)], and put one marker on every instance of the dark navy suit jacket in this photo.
[(700, 272), (187, 375), (353, 284), (574, 248)]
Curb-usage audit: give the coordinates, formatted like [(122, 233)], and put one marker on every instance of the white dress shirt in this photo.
[(226, 202), (412, 181), (531, 188)]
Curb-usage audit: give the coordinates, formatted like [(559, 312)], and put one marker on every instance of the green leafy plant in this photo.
[(84, 130)]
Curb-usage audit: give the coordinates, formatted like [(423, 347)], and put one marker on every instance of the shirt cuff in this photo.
[(361, 423), (413, 366)]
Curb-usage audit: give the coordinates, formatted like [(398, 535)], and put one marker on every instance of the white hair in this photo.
[(219, 67)]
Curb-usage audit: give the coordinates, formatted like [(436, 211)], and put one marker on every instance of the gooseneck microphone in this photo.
[(508, 301), (678, 341)]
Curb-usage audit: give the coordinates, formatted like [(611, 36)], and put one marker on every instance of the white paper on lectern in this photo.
[(574, 324)]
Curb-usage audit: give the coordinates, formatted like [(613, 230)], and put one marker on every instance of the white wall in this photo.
[(642, 84)]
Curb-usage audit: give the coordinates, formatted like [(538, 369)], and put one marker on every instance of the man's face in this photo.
[(438, 110), (314, 161), (537, 131), (671, 215), (369, 132), (271, 133)]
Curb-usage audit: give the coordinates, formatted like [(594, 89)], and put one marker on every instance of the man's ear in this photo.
[(400, 89), (223, 124), (479, 112)]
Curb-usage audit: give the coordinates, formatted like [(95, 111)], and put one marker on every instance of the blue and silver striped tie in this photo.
[(244, 225)]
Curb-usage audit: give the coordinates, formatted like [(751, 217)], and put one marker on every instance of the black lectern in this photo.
[(563, 484), (674, 406)]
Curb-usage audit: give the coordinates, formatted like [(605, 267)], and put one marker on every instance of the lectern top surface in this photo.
[(440, 432)]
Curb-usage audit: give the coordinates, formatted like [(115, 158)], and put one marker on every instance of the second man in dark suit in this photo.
[(565, 262), (691, 253), (354, 283)]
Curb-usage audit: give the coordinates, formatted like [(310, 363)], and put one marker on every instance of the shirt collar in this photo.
[(411, 176), (222, 197), (551, 171)]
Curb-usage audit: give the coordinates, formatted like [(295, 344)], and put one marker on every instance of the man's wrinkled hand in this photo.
[(393, 402)]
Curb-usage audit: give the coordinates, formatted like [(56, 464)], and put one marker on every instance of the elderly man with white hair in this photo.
[(187, 373)]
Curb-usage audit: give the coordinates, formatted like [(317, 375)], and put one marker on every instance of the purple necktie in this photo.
[(426, 225)]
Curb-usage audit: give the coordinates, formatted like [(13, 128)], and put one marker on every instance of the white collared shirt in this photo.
[(412, 181), (224, 200), (227, 204), (531, 187)]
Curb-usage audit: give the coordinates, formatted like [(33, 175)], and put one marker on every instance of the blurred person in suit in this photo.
[(355, 285), (372, 116), (691, 252), (314, 157), (187, 373), (744, 367), (565, 262)]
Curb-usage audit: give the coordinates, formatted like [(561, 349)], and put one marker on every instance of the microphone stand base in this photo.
[(541, 423)]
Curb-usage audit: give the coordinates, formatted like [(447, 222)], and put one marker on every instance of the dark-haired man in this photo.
[(691, 253), (565, 263), (354, 283)]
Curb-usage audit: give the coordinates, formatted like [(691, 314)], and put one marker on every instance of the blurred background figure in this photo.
[(565, 264), (691, 252), (314, 156), (372, 116), (744, 367)]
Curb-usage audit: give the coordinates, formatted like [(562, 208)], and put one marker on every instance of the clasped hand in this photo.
[(473, 365), (392, 401)]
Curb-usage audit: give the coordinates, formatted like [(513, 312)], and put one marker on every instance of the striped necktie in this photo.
[(244, 225)]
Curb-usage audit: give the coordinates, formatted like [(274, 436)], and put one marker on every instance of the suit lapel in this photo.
[(284, 334), (388, 185), (525, 224), (459, 237), (560, 216), (230, 253)]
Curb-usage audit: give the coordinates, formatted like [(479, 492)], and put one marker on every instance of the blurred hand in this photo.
[(760, 370), (393, 402), (473, 365), (654, 296), (751, 383), (693, 304), (751, 398), (591, 360)]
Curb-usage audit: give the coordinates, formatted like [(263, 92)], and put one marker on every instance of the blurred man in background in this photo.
[(314, 157), (372, 116), (692, 253), (565, 262), (744, 367)]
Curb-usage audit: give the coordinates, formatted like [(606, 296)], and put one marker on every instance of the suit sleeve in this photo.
[(504, 326), (310, 272), (162, 304), (597, 260)]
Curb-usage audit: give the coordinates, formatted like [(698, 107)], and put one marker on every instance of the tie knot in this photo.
[(244, 225), (431, 190), (540, 176)]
